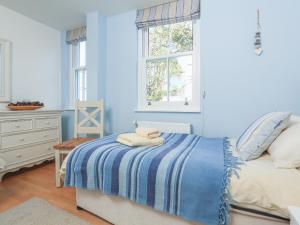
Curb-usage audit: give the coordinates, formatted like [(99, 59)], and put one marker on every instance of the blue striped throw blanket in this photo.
[(188, 176)]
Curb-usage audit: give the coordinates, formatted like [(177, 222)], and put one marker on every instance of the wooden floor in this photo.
[(40, 182)]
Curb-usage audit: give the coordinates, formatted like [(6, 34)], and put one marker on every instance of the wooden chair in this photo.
[(89, 119)]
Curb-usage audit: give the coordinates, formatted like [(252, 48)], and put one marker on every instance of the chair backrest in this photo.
[(89, 118)]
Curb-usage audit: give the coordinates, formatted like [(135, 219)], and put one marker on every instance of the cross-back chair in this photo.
[(88, 120)]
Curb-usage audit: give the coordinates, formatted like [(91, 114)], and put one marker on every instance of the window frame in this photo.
[(195, 104), (74, 68)]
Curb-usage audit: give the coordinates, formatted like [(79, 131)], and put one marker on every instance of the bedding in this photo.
[(260, 186), (263, 187), (188, 176), (285, 150), (260, 134)]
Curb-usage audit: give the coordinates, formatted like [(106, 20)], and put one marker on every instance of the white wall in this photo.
[(36, 58)]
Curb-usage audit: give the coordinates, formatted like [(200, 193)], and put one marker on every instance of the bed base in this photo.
[(119, 211)]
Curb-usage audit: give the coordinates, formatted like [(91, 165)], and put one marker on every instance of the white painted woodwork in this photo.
[(89, 119), (27, 138), (16, 125), (5, 70), (168, 127), (86, 113)]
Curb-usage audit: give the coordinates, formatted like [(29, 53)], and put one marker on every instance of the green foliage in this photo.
[(182, 37), (156, 80), (164, 40)]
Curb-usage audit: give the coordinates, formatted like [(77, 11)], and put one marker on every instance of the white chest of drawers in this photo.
[(27, 138)]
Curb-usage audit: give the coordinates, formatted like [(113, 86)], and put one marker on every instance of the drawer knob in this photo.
[(17, 126), (22, 139), (19, 156), (49, 149)]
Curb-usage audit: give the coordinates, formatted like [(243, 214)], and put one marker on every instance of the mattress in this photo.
[(261, 187)]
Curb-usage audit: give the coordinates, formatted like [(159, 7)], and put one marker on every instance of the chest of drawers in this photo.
[(27, 138)]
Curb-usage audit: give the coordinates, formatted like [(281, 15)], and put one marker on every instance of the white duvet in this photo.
[(265, 188)]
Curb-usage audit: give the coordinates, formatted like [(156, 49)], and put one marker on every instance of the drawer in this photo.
[(24, 154), (46, 122), (28, 138), (16, 125)]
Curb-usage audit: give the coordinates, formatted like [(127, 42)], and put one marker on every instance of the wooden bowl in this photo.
[(23, 107)]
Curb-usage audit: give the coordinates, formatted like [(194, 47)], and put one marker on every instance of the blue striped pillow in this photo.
[(261, 134)]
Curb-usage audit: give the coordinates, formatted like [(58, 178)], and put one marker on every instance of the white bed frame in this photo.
[(120, 211)]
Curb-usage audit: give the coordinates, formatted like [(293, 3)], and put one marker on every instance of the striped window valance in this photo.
[(176, 11), (76, 35)]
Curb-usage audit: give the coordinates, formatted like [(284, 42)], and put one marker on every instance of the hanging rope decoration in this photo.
[(258, 45)]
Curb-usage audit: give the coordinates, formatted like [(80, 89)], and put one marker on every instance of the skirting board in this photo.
[(119, 211)]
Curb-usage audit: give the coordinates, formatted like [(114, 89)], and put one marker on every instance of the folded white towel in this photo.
[(134, 140), (147, 132)]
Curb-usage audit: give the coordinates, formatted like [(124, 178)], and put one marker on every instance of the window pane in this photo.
[(159, 40), (82, 54), (181, 35), (157, 80), (180, 78), (81, 85)]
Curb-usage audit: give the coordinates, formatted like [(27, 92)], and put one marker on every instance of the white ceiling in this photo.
[(67, 14)]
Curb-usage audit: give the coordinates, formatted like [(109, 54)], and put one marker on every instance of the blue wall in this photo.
[(121, 79), (240, 86), (96, 55)]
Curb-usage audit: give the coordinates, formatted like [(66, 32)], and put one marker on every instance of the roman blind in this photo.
[(172, 12), (76, 35)]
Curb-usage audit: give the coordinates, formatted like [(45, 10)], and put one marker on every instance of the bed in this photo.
[(254, 201)]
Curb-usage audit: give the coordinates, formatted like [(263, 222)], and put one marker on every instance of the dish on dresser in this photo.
[(25, 105), (20, 108)]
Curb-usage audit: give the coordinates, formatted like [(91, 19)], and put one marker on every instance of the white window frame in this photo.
[(195, 104), (5, 73), (73, 68)]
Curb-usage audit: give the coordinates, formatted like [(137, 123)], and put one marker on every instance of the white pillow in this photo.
[(285, 150), (260, 135)]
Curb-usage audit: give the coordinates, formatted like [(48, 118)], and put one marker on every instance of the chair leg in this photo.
[(57, 168)]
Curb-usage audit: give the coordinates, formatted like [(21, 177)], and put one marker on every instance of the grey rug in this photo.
[(38, 212)]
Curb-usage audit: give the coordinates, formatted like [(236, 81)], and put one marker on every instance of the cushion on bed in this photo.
[(285, 150), (260, 134)]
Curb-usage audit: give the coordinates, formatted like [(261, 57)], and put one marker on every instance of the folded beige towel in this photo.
[(134, 140), (147, 132)]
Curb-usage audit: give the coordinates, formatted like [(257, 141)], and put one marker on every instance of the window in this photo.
[(169, 77), (78, 74)]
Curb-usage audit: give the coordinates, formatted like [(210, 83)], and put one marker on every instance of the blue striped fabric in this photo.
[(188, 176), (257, 138), (176, 11)]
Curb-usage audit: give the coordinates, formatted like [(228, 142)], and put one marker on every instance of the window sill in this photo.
[(158, 110)]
